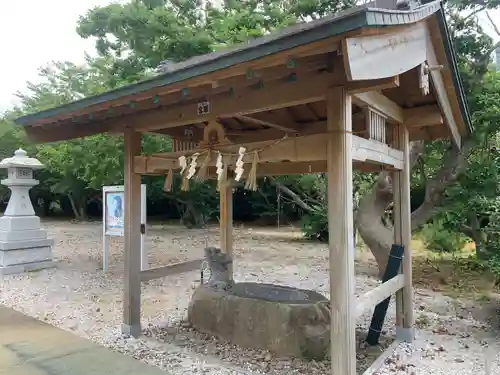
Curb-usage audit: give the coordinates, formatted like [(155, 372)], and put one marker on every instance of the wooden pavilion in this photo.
[(343, 92)]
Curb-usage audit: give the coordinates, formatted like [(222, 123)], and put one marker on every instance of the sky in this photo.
[(34, 33)]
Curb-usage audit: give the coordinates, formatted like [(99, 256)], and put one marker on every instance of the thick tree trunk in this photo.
[(79, 210), (377, 236), (474, 231)]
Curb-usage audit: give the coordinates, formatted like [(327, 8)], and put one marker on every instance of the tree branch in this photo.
[(454, 163), (466, 230), (295, 197), (493, 23), (474, 12)]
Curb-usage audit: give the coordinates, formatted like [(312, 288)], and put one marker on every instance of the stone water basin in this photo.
[(285, 320)]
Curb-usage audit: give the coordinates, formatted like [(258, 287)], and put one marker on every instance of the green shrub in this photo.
[(314, 225), (437, 238)]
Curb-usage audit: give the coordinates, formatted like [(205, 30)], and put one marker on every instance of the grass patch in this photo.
[(457, 274)]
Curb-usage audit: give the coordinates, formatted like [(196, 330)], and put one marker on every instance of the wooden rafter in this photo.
[(278, 94), (441, 93), (287, 129), (309, 87)]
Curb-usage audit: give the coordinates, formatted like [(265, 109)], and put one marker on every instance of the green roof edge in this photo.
[(457, 80), (350, 22)]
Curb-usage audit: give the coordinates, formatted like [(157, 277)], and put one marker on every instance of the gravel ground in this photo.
[(78, 297)]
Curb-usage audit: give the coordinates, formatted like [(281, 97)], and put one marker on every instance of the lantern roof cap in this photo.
[(21, 160)]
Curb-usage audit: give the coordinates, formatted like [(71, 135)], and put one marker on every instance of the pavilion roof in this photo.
[(285, 39)]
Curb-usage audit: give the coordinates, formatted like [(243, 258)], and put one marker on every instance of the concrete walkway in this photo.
[(31, 347)]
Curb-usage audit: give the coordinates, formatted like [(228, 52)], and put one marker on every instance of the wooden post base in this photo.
[(405, 334), (134, 331)]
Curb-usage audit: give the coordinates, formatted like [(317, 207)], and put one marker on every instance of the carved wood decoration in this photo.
[(214, 134)]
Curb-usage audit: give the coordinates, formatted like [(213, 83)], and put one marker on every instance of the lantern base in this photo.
[(24, 246), (28, 267)]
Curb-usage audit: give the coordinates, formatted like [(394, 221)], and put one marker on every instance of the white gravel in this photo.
[(78, 297)]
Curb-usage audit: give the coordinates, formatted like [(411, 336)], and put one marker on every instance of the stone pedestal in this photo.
[(24, 246)]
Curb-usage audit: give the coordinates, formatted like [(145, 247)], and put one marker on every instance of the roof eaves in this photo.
[(394, 17), (387, 17), (342, 23)]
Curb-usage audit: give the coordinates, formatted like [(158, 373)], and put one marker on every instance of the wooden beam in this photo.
[(386, 55), (372, 298), (171, 269), (340, 229), (248, 136), (282, 168), (365, 150), (441, 94), (307, 88), (286, 129), (424, 116), (243, 101), (428, 115), (296, 149), (56, 133), (382, 359), (132, 227), (382, 104)]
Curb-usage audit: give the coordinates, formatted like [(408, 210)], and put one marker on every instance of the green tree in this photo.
[(134, 37), (441, 167)]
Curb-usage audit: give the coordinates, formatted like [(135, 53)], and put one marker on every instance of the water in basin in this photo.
[(275, 293)]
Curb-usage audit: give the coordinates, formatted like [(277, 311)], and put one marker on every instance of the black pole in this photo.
[(392, 270)]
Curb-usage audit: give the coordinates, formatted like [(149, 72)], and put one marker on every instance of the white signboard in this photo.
[(114, 218), (113, 215)]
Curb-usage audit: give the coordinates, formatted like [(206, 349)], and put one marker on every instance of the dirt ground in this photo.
[(78, 296)]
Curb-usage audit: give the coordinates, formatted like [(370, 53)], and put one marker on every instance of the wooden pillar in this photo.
[(132, 228), (396, 213), (402, 236), (340, 227), (226, 221)]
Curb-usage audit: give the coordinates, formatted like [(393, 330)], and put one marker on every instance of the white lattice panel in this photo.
[(376, 126)]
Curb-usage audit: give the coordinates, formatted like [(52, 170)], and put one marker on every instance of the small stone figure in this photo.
[(218, 264)]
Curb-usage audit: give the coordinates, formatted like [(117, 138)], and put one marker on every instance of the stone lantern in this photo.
[(24, 246)]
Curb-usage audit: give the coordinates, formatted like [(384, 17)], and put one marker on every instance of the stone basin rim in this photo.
[(270, 292)]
